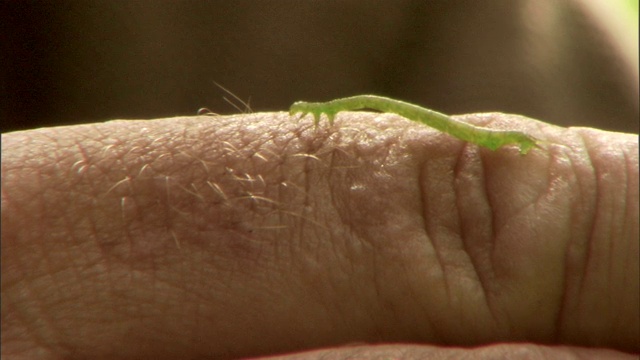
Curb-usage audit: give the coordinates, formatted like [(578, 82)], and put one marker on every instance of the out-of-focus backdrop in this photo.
[(570, 62)]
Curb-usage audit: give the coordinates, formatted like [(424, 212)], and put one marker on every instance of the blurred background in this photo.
[(568, 62)]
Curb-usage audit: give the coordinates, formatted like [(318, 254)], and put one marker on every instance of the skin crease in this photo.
[(253, 235)]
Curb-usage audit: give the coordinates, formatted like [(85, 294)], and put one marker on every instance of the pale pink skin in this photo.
[(258, 234)]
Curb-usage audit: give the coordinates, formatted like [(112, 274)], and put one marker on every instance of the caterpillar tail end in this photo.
[(527, 144)]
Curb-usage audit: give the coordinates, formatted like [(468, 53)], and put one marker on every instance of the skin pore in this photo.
[(250, 235)]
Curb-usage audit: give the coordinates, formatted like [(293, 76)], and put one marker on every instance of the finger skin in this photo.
[(255, 234), (496, 351)]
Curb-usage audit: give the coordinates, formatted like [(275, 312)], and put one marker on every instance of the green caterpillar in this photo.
[(491, 139)]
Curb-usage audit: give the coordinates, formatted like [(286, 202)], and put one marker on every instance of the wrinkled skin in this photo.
[(253, 235)]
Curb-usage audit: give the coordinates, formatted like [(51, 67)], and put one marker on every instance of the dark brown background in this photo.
[(67, 62)]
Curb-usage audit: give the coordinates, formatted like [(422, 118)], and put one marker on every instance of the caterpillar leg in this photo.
[(315, 109)]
